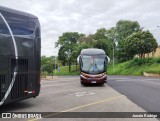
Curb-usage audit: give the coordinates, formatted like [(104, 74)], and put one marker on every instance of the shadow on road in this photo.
[(15, 106), (93, 85)]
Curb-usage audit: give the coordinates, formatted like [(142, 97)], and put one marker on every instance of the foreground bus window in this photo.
[(20, 50), (93, 65)]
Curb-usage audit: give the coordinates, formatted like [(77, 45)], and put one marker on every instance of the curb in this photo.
[(50, 78), (151, 74)]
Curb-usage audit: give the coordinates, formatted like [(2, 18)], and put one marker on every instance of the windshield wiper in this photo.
[(97, 67), (93, 67), (90, 67)]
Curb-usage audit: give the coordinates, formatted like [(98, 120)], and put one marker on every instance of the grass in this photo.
[(155, 69), (134, 67), (64, 70)]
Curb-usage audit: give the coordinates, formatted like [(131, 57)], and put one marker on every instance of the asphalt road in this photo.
[(66, 94), (143, 91)]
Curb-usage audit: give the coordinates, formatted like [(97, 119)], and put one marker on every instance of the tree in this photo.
[(102, 41), (111, 34), (140, 42), (62, 55), (103, 44), (124, 28), (67, 43), (87, 40), (100, 34), (121, 52), (47, 64)]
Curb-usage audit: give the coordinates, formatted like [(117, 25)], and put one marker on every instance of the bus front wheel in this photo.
[(82, 84)]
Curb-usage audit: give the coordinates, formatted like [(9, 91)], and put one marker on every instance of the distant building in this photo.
[(154, 54)]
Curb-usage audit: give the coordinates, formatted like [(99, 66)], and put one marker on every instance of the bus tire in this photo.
[(101, 84), (82, 84)]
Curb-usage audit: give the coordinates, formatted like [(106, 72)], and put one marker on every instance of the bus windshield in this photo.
[(93, 64)]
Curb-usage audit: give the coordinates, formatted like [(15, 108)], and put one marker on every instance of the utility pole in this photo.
[(112, 38), (55, 66), (113, 51)]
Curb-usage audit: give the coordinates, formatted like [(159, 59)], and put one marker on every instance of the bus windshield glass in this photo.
[(93, 64)]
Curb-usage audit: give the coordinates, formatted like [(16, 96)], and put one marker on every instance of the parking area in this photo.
[(66, 94)]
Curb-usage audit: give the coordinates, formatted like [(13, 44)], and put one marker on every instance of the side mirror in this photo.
[(78, 59), (108, 59), (81, 62)]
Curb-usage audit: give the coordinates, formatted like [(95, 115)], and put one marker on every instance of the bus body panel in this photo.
[(26, 33)]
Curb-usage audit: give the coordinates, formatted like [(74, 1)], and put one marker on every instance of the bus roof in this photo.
[(5, 9), (92, 51)]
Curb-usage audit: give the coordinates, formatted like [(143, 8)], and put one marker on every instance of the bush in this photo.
[(143, 61), (158, 60), (44, 74)]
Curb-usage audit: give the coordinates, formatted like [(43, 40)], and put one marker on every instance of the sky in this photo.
[(86, 16)]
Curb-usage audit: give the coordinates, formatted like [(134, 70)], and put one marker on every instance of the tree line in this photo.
[(126, 40)]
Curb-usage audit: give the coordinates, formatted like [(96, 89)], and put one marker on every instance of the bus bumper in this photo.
[(93, 80)]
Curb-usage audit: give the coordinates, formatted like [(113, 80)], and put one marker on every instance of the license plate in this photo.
[(93, 82)]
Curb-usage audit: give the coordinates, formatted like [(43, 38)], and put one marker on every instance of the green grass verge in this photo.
[(134, 67), (64, 71)]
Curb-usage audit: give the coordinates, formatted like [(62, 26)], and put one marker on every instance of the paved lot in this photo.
[(120, 94), (143, 91)]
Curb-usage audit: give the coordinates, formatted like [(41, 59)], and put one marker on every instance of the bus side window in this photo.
[(3, 27)]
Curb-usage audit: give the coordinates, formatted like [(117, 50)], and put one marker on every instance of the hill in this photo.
[(136, 67)]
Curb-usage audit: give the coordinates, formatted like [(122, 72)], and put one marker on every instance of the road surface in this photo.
[(66, 94), (143, 91)]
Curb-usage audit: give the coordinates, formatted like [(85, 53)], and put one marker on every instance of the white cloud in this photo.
[(86, 16)]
